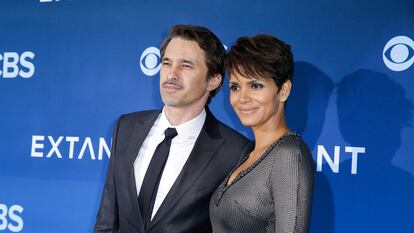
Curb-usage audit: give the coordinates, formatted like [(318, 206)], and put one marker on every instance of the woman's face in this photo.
[(256, 101)]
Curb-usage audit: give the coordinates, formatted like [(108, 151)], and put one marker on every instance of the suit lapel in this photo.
[(204, 150), (139, 132)]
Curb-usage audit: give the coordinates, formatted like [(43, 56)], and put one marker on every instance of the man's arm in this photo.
[(107, 218)]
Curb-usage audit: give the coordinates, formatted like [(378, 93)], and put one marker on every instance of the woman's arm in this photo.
[(292, 185)]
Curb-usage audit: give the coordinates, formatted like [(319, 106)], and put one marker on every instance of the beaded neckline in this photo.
[(224, 186)]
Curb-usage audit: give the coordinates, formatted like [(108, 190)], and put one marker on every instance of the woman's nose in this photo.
[(244, 96)]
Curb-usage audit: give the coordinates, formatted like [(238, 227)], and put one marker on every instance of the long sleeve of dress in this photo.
[(292, 185)]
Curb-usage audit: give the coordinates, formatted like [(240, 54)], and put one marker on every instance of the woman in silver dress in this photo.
[(270, 190)]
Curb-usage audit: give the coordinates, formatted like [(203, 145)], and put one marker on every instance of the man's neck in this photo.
[(177, 116)]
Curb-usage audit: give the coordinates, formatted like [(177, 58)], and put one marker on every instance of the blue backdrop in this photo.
[(68, 68)]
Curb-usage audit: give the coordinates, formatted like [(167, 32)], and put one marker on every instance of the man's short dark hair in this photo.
[(211, 45), (261, 56)]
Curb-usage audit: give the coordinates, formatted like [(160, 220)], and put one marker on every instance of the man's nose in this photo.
[(173, 73)]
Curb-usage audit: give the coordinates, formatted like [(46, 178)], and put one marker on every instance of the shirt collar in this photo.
[(188, 129)]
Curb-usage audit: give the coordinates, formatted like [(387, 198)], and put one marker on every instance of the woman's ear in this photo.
[(285, 91)]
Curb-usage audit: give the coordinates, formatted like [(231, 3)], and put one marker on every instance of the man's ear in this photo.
[(285, 91), (214, 82)]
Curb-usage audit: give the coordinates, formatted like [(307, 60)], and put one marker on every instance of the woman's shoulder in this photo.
[(291, 153), (290, 144)]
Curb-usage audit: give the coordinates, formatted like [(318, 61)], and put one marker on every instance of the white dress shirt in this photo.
[(180, 150)]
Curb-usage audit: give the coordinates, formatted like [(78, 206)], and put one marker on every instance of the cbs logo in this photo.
[(10, 219), (398, 53), (150, 61), (17, 65)]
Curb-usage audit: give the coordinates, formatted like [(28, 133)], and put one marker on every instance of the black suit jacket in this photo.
[(185, 208)]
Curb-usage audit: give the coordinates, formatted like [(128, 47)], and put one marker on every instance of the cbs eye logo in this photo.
[(398, 53), (150, 61)]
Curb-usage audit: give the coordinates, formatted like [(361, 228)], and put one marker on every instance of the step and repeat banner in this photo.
[(69, 68)]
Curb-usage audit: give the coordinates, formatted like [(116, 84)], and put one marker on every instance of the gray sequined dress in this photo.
[(273, 195)]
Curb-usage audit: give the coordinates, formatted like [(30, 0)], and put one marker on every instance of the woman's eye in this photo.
[(257, 86), (234, 87)]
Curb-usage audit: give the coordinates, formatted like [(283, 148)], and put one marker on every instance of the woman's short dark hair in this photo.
[(261, 56), (211, 45)]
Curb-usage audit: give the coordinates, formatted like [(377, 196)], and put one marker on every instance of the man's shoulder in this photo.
[(228, 130), (229, 133), (140, 115)]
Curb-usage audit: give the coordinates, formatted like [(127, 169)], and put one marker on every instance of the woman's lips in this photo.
[(247, 110)]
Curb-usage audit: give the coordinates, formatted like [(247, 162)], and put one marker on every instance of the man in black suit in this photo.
[(200, 152)]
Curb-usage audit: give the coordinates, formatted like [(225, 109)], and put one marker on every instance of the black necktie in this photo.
[(148, 192)]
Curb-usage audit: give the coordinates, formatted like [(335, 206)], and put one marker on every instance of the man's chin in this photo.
[(171, 102)]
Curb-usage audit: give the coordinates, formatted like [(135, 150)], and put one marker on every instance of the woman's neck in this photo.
[(264, 137)]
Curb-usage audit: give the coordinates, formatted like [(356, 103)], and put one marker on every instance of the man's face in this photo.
[(183, 81)]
